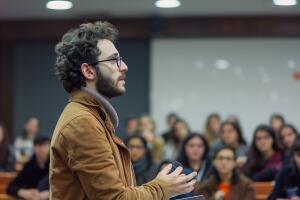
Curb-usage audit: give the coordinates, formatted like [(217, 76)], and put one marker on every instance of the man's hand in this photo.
[(177, 183), (295, 198)]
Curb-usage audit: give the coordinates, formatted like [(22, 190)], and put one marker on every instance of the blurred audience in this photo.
[(212, 128), (225, 183), (287, 184), (179, 133), (287, 136), (171, 119), (131, 126), (265, 159), (7, 156), (24, 144), (144, 168), (277, 121), (32, 182), (231, 135), (155, 143), (194, 156)]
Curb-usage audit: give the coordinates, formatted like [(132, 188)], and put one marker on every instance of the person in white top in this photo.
[(24, 144)]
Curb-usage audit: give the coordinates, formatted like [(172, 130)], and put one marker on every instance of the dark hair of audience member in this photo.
[(183, 158), (41, 140), (236, 127), (256, 158), (144, 142), (296, 146), (290, 126), (215, 174), (174, 137), (4, 145)]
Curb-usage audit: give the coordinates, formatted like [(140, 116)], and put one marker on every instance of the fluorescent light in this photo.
[(59, 5), (167, 3), (222, 64), (285, 2)]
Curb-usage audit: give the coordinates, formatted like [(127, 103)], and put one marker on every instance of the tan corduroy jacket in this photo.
[(88, 161)]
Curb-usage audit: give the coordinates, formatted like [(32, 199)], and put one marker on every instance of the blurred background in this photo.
[(189, 57)]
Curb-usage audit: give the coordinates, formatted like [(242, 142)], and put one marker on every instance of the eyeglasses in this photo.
[(118, 60), (220, 158)]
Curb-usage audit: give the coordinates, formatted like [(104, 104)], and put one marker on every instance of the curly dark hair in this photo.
[(80, 46)]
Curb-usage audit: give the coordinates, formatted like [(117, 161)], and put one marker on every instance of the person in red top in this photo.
[(225, 183), (266, 158)]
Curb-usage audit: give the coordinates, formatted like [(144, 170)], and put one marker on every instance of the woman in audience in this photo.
[(32, 182), (212, 128), (194, 156), (155, 143), (231, 135), (225, 183), (7, 157), (265, 159), (179, 133), (24, 144), (287, 185), (143, 166), (287, 135), (277, 121), (171, 119)]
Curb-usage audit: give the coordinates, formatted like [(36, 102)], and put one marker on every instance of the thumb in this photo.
[(166, 169)]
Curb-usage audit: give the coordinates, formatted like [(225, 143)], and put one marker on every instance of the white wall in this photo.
[(188, 77)]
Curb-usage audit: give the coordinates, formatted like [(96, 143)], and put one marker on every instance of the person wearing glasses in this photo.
[(265, 157), (225, 183), (88, 160), (143, 165)]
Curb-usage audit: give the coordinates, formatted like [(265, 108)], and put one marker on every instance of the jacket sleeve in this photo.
[(278, 188), (91, 159)]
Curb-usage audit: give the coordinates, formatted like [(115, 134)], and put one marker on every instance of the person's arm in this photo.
[(249, 192), (90, 156), (204, 189), (19, 182), (277, 190)]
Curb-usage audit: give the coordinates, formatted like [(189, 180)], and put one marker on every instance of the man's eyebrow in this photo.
[(113, 56)]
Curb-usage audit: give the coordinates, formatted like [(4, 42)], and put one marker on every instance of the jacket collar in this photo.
[(89, 100)]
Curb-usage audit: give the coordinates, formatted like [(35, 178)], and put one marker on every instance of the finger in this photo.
[(177, 171), (189, 177), (166, 169)]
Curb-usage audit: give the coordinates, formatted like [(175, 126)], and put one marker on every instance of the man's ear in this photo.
[(88, 72)]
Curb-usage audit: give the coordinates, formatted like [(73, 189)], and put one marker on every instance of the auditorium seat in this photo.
[(262, 189), (5, 179)]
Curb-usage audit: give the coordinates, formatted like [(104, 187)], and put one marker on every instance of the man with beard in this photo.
[(88, 161)]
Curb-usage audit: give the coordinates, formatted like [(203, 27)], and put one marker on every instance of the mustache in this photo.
[(122, 77)]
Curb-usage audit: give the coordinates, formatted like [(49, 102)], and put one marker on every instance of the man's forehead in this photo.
[(107, 48)]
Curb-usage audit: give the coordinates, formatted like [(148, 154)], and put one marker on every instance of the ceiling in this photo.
[(35, 9)]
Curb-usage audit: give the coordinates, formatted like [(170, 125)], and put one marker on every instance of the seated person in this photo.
[(225, 183), (7, 156), (265, 159), (231, 135), (32, 182), (143, 165), (287, 136), (287, 184)]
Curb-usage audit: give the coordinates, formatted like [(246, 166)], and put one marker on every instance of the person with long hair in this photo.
[(231, 135), (172, 147), (212, 128), (287, 136), (225, 183), (7, 157), (24, 143), (194, 155), (265, 159), (287, 184), (141, 158)]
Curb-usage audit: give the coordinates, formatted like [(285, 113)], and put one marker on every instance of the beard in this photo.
[(108, 87)]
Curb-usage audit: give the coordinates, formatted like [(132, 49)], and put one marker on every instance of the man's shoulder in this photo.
[(76, 117)]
